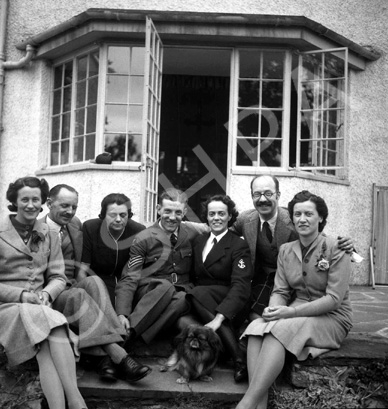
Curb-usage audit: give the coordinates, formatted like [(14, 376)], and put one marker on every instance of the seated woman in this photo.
[(106, 240), (32, 275), (222, 275), (309, 311)]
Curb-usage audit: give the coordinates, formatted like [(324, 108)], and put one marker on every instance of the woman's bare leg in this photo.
[(63, 358), (264, 372), (49, 378)]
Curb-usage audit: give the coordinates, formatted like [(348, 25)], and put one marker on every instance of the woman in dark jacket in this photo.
[(222, 276), (106, 240)]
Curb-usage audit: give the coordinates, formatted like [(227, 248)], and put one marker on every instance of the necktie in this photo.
[(173, 239), (62, 234), (214, 242), (267, 231)]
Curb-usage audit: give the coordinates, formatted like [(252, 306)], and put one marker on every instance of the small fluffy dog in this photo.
[(196, 352)]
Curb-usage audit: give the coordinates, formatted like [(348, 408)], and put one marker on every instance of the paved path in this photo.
[(370, 310), (367, 340)]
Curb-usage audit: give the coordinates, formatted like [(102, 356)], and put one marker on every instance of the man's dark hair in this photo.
[(57, 188), (175, 195), (274, 178)]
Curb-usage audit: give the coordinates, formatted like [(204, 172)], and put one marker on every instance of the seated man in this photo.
[(151, 293), (106, 240), (86, 303)]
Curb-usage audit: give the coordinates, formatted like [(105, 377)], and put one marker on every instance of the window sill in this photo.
[(292, 174), (116, 166)]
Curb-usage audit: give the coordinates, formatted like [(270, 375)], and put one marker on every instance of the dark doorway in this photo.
[(193, 129)]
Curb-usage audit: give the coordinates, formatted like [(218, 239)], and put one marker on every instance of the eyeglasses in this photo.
[(268, 194)]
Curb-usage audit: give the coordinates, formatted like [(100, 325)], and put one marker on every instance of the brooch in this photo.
[(322, 263)]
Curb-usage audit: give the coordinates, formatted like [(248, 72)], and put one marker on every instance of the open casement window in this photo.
[(151, 122), (322, 102)]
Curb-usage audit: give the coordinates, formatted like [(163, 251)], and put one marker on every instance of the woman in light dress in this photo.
[(32, 275), (309, 312)]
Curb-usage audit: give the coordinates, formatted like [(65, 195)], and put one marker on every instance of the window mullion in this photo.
[(102, 79), (286, 110)]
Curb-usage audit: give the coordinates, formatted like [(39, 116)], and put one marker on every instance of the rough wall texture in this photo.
[(23, 144)]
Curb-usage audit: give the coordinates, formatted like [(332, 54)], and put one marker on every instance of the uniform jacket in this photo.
[(319, 287), (248, 224), (24, 270), (151, 257), (106, 256), (229, 265)]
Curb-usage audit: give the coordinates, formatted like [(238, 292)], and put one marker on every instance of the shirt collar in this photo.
[(271, 221), (219, 237), (53, 225)]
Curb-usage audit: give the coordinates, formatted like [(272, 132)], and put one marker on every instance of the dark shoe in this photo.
[(107, 370), (128, 343), (240, 372), (131, 370)]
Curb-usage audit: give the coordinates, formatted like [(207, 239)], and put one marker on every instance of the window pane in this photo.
[(247, 152), (116, 118), (248, 122), (93, 64), (135, 122), (271, 124), (90, 146), (134, 147), (65, 126), (64, 152), (273, 65), (118, 60), (78, 149), (68, 73), (79, 122), (249, 93), (137, 61), (117, 89), (272, 94), (250, 64), (56, 128), (81, 94), (271, 152), (82, 67), (58, 76), (67, 99), (136, 90), (91, 120), (54, 154), (57, 101), (334, 66), (92, 91), (115, 144)]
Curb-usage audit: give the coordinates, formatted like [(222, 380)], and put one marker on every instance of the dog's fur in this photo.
[(196, 352)]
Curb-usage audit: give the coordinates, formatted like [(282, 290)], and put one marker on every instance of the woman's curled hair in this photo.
[(227, 201), (320, 205), (27, 181)]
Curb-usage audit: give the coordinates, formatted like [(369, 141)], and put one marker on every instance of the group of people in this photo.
[(68, 288)]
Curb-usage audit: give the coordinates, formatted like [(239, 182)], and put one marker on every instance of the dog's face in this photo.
[(197, 350), (200, 339)]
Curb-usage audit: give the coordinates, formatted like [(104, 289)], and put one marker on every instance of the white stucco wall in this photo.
[(24, 141)]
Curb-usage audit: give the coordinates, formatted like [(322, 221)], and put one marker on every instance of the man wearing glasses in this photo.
[(266, 228)]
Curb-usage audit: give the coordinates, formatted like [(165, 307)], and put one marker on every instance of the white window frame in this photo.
[(73, 58)]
